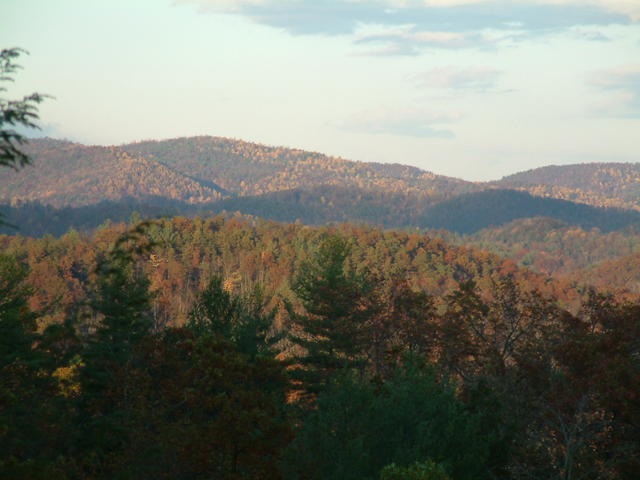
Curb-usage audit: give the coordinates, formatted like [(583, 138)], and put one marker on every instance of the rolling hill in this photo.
[(471, 212), (249, 169), (597, 184), (68, 174), (463, 214), (208, 175)]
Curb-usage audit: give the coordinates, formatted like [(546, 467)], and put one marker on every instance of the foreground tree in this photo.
[(15, 113), (428, 470), (584, 420), (29, 419), (110, 372), (206, 410), (401, 320), (331, 332), (485, 337), (200, 401), (359, 427), (239, 319)]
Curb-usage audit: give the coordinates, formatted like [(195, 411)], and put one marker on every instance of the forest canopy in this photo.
[(231, 348)]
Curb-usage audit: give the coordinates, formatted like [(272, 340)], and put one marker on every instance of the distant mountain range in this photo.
[(597, 184), (210, 174)]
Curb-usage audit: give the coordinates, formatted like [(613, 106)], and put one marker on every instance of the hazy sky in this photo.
[(470, 88)]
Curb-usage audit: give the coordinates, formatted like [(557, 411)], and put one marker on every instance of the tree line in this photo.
[(366, 377)]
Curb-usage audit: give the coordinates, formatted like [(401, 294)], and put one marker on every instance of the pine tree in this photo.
[(331, 332), (111, 375), (28, 419), (235, 318)]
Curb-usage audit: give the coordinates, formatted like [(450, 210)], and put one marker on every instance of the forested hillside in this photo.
[(209, 175), (552, 246), (209, 308), (471, 212), (198, 170), (250, 252), (598, 184), (253, 169), (68, 174), (619, 275), (241, 349), (71, 186), (563, 251), (466, 213), (34, 219)]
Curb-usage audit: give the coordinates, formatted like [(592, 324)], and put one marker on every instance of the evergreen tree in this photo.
[(28, 391), (331, 331), (15, 113), (205, 410), (428, 470), (235, 318), (111, 374), (359, 427)]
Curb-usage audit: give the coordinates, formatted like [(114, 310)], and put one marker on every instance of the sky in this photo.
[(474, 89)]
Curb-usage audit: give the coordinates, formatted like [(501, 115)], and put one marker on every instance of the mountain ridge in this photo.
[(213, 174), (233, 167), (598, 184)]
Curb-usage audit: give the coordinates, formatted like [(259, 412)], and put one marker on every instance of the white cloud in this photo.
[(630, 8), (405, 121), (627, 7), (407, 41), (431, 24)]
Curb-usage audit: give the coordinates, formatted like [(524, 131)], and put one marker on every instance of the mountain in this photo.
[(34, 219), (205, 175), (318, 205), (551, 246), (608, 261), (471, 212), (69, 174), (598, 184), (249, 169), (199, 170)]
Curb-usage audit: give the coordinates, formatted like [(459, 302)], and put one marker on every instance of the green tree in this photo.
[(331, 331), (29, 420), (205, 410), (359, 427), (428, 470), (110, 371), (235, 318), (15, 113)]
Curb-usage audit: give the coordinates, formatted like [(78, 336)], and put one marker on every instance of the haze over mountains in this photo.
[(212, 174)]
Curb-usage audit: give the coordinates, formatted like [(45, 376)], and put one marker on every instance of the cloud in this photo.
[(622, 84), (477, 79), (592, 36), (428, 18), (410, 27), (411, 122), (409, 41)]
